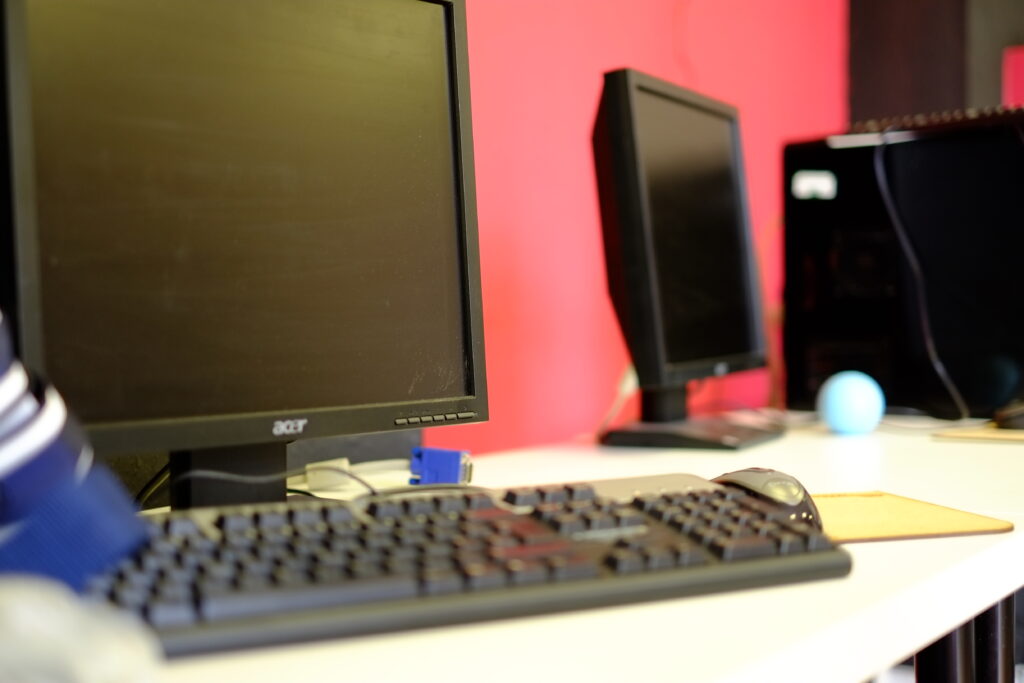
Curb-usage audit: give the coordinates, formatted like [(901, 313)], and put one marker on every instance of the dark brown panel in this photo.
[(906, 56)]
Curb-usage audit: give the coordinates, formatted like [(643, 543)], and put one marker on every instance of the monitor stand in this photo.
[(189, 488), (664, 424)]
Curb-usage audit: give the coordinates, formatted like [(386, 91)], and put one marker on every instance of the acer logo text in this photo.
[(286, 427)]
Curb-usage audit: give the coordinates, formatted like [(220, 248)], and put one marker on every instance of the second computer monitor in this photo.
[(678, 246)]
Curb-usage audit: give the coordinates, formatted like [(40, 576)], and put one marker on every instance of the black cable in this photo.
[(268, 478), (300, 492), (882, 179), (155, 483), (162, 478), (373, 492)]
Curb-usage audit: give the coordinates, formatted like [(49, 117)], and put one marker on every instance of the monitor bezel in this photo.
[(20, 286), (629, 241)]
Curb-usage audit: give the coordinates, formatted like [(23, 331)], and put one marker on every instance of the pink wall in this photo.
[(554, 351), (1013, 76)]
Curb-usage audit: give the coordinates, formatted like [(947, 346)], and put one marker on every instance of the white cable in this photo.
[(372, 466), (328, 474), (628, 384)]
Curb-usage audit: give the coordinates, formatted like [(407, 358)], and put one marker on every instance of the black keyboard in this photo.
[(224, 578)]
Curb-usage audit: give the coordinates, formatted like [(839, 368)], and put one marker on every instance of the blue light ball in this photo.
[(851, 402)]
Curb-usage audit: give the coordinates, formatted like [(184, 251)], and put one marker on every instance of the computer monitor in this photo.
[(231, 225), (680, 264)]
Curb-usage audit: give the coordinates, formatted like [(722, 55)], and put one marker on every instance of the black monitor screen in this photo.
[(678, 247), (687, 155), (245, 206)]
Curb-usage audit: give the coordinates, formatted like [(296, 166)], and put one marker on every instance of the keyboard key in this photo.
[(567, 568), (704, 534), (568, 523), (623, 561), (219, 570), (525, 572), (239, 539), (478, 501), (239, 605), (537, 550), (441, 582), (138, 579), (418, 506), (742, 548), (553, 494), (483, 576), (236, 521), (384, 509), (432, 563), (790, 543), (646, 502), (625, 517), (688, 554), (271, 519), (179, 525), (580, 492), (817, 541), (763, 527), (659, 557), (337, 514), (130, 596), (170, 613), (548, 511), (443, 521), (305, 516), (599, 520), (522, 496), (685, 523), (446, 504)]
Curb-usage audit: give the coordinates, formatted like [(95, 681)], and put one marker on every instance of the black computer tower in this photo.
[(853, 297)]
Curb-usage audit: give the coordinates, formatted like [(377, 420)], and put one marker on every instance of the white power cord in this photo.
[(330, 475), (628, 385)]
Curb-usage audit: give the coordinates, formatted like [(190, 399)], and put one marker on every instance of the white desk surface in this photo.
[(900, 596)]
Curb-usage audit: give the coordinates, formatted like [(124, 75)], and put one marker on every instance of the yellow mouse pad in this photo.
[(878, 516)]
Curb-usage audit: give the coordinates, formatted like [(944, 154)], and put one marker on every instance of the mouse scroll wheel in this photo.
[(784, 491)]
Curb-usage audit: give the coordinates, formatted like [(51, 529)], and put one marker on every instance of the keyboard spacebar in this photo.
[(229, 604)]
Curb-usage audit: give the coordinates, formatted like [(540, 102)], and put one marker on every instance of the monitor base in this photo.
[(701, 432)]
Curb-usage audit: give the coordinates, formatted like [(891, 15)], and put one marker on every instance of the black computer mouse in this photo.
[(1010, 416), (776, 487)]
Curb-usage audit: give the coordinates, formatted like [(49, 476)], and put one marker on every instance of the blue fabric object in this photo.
[(851, 402), (58, 517), (6, 347), (76, 530), (21, 490)]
